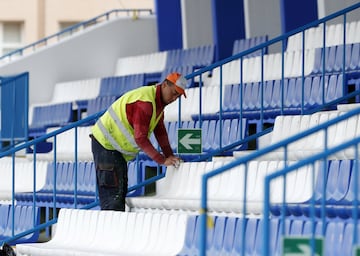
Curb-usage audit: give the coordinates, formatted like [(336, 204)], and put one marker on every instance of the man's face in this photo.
[(169, 93)]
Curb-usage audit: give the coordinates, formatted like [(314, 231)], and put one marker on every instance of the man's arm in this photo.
[(140, 116), (162, 138), (141, 113)]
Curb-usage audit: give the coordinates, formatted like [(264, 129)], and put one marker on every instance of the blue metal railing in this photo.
[(311, 160), (282, 39), (33, 143), (74, 28), (219, 64), (282, 144)]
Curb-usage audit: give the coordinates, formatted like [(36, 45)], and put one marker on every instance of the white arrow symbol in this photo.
[(305, 251), (186, 141)]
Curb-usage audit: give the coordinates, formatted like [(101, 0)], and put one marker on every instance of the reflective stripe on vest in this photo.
[(113, 130), (122, 128), (112, 141)]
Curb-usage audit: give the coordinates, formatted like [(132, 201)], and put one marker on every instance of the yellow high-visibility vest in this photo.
[(113, 130)]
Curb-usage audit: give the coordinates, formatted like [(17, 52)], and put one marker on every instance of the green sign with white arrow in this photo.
[(301, 246), (357, 251), (189, 141)]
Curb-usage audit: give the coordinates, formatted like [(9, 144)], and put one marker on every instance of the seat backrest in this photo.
[(80, 90), (118, 85), (229, 234)]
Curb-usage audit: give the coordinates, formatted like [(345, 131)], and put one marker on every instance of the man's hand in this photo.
[(172, 160)]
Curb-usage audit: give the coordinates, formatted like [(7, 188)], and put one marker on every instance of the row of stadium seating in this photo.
[(225, 236), (164, 233), (334, 35), (60, 110), (25, 218), (286, 126), (271, 102), (293, 65), (232, 129), (91, 232), (62, 113), (180, 189)]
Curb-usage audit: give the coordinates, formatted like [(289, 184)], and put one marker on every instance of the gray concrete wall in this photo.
[(197, 25), (88, 54)]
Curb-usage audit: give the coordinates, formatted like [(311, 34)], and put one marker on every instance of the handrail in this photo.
[(282, 38), (271, 41), (254, 155), (50, 134), (11, 152), (74, 28), (288, 169)]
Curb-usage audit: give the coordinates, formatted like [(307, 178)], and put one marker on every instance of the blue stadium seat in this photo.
[(296, 228), (173, 58), (99, 104), (118, 85), (81, 176), (274, 233), (319, 185), (50, 116), (250, 234), (229, 234), (243, 225), (345, 209), (281, 229), (209, 235), (332, 185), (226, 131), (275, 103), (268, 91), (337, 202), (334, 89), (191, 224), (339, 65), (195, 57), (209, 137), (218, 237), (348, 243), (330, 59), (235, 98), (236, 133), (65, 186), (334, 238), (65, 183), (89, 179), (355, 57), (299, 98), (311, 227), (247, 97), (256, 98), (317, 68), (316, 92), (307, 92), (214, 143), (293, 95), (259, 238), (227, 104), (241, 45), (205, 55), (4, 216), (24, 220)]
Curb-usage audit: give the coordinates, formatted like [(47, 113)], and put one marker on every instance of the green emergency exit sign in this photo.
[(189, 141)]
